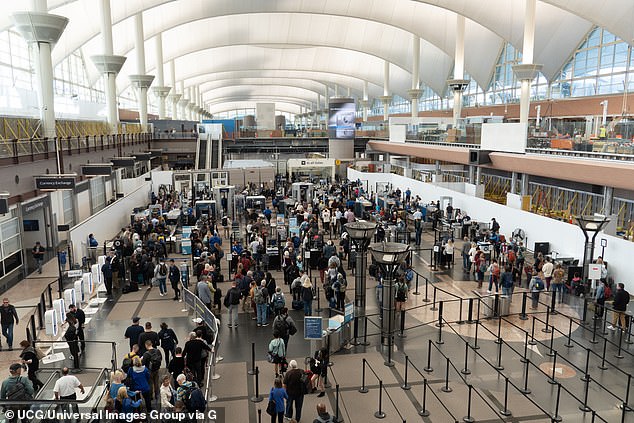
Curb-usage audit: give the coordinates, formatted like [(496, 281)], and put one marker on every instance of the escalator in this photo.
[(45, 409)]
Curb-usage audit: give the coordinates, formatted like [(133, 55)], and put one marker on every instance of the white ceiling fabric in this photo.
[(329, 41)]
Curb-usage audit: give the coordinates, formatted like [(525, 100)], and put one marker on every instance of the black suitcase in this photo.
[(298, 305)]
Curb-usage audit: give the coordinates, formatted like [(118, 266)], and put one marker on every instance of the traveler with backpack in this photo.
[(621, 299), (195, 352), (296, 383), (139, 380), (160, 274), (148, 333), (506, 280), (307, 297), (285, 325), (319, 367), (400, 295), (191, 395), (339, 287), (494, 275), (261, 297), (31, 357), (177, 364), (17, 388), (276, 405), (535, 287), (599, 299), (168, 341), (106, 269), (152, 360), (277, 352), (278, 302), (175, 277), (232, 302)]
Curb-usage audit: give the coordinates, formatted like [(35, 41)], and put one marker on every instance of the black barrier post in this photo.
[(532, 341), (552, 380), (556, 417), (433, 306), (33, 329), (439, 341), (337, 419), (355, 341), (259, 415), (552, 339), (506, 412), (318, 310), (569, 344), (363, 389), (466, 370), (426, 299), (546, 330), (594, 332), (405, 386), (468, 418), (526, 390), (460, 321), (401, 333), (424, 412), (475, 339), (257, 397), (499, 365), (523, 359), (585, 373), (252, 371), (440, 310), (446, 388), (429, 369), (380, 414), (605, 344), (499, 339), (523, 315), (626, 407), (470, 312), (584, 407), (365, 332), (629, 331), (618, 353), (553, 300), (605, 330), (416, 292)]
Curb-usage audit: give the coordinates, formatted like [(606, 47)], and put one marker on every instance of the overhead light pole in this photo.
[(361, 233), (591, 226)]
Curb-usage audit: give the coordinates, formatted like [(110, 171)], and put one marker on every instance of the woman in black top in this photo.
[(29, 357), (168, 340)]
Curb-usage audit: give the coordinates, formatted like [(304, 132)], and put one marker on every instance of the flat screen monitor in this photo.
[(31, 225)]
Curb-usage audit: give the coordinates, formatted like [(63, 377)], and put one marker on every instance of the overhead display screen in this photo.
[(341, 113)]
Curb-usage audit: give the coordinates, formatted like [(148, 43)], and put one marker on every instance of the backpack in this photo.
[(607, 291), (234, 298), (539, 285), (483, 267), (163, 270), (282, 326), (127, 363), (278, 301), (401, 292), (409, 275), (18, 392), (258, 295), (155, 359), (224, 221), (197, 401), (305, 381)]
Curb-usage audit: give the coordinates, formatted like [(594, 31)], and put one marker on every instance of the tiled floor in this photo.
[(235, 386)]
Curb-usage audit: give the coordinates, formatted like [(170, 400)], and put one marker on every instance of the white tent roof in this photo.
[(287, 50)]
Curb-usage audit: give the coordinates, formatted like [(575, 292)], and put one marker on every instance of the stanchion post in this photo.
[(401, 333), (446, 388), (532, 341), (318, 310), (552, 380), (553, 301), (252, 370), (584, 312), (426, 299), (475, 339), (524, 359), (605, 345), (556, 417), (257, 397), (552, 340), (626, 406), (337, 419), (460, 321), (405, 386), (594, 332), (499, 365), (470, 312), (433, 306), (545, 329), (416, 291), (465, 370), (440, 311), (380, 414), (569, 344), (363, 389), (523, 315), (355, 340), (526, 390), (424, 412), (584, 407), (506, 412), (429, 369), (365, 332), (618, 353), (468, 418), (586, 375), (499, 337)]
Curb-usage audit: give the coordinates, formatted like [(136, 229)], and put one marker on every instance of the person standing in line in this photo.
[(168, 341), (204, 293), (278, 394), (139, 380), (152, 361), (194, 356), (599, 299), (261, 298), (65, 389), (307, 297), (71, 339), (160, 273), (81, 320), (93, 244), (147, 334), (232, 302), (621, 299), (106, 269), (466, 247), (29, 357), (295, 389), (322, 415), (8, 317), (133, 331), (558, 283), (38, 256), (536, 286), (175, 277), (547, 270)]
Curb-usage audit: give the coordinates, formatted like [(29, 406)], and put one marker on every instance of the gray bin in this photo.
[(505, 305), (488, 306)]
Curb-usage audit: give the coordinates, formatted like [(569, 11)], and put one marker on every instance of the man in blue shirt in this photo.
[(267, 213)]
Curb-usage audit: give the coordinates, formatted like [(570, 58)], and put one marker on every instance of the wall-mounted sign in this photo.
[(63, 228), (52, 183), (122, 161), (96, 169)]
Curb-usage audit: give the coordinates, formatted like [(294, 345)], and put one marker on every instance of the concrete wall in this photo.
[(565, 239)]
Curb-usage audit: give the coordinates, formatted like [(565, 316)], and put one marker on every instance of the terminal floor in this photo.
[(235, 386)]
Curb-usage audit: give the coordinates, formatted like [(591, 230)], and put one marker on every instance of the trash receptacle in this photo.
[(488, 306), (505, 305)]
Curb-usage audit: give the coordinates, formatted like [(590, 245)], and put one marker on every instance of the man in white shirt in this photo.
[(325, 218), (547, 269), (65, 388)]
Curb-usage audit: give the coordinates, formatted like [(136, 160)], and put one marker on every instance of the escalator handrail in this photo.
[(101, 376)]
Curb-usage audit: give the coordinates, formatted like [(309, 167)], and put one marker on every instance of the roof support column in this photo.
[(161, 91), (458, 83), (182, 103), (527, 71), (386, 98), (415, 92), (109, 65), (42, 30), (608, 195), (141, 81), (174, 96)]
